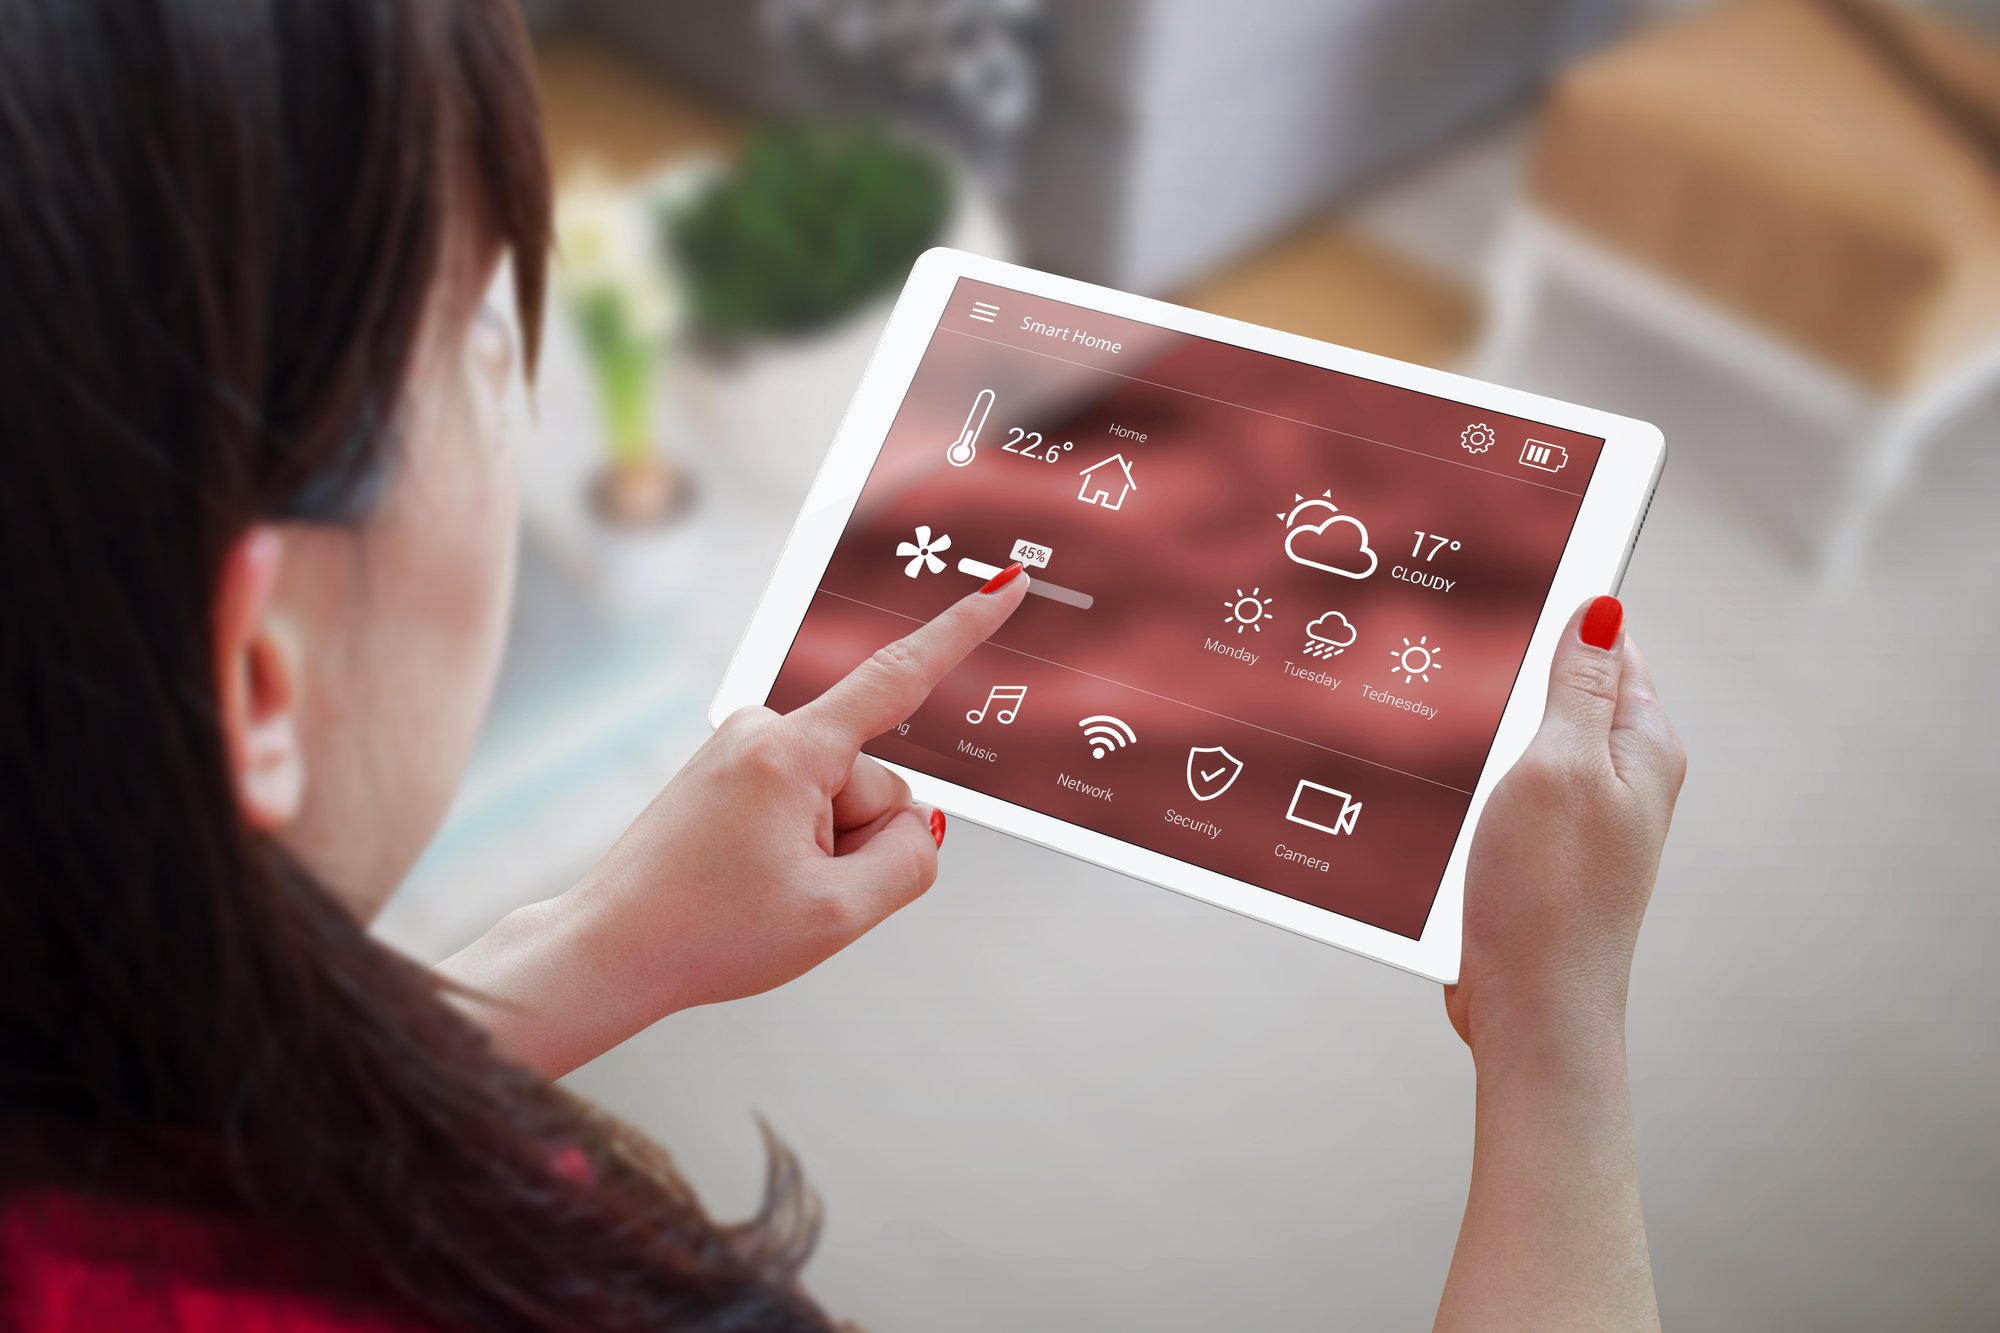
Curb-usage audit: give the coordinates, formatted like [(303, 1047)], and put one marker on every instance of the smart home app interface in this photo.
[(1276, 611)]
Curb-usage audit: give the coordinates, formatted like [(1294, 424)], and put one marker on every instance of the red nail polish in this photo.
[(1003, 578), (1601, 622), (937, 818)]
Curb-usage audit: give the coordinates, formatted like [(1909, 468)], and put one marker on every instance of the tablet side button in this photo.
[(1618, 583)]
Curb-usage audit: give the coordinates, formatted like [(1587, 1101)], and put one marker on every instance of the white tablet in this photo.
[(1291, 606)]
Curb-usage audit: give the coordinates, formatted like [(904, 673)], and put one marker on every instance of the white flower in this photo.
[(652, 308), (605, 248)]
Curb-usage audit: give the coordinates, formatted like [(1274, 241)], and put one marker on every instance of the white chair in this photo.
[(1886, 432)]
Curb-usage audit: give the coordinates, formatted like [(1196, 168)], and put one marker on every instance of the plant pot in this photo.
[(767, 410), (643, 548)]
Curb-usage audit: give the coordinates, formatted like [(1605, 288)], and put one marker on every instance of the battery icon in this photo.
[(1547, 457)]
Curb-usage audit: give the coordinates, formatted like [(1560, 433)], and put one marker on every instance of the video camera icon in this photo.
[(1327, 809)]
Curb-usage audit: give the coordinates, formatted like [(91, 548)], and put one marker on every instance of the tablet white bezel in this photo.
[(1606, 528)]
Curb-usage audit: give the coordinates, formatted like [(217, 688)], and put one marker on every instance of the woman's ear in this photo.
[(257, 683)]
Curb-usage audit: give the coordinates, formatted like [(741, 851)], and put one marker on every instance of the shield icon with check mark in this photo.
[(1211, 771)]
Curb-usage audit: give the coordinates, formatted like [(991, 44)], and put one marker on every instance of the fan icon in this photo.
[(1477, 438), (923, 552)]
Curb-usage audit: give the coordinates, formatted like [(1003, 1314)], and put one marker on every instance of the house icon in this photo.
[(1097, 492)]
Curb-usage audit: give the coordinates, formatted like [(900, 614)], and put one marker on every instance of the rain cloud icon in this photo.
[(1337, 543), (1330, 635)]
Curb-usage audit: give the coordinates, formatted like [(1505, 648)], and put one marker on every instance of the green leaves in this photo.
[(813, 223)]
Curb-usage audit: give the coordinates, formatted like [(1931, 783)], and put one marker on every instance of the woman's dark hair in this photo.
[(221, 224)]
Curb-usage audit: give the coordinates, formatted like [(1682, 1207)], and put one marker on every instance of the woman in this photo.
[(257, 529)]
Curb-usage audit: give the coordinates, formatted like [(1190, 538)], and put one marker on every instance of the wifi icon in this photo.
[(1105, 733)]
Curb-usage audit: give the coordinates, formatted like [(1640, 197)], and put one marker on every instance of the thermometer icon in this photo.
[(962, 450)]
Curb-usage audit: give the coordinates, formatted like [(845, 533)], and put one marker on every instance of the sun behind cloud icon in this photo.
[(1337, 543)]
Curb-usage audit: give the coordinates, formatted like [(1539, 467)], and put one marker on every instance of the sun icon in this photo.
[(1416, 660), (1247, 609)]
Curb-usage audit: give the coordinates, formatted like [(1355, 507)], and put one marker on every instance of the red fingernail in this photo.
[(937, 817), (1601, 622), (1003, 578)]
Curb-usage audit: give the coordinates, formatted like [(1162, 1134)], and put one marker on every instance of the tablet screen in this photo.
[(1276, 611)]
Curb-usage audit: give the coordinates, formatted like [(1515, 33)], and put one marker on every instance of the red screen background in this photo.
[(1234, 441)]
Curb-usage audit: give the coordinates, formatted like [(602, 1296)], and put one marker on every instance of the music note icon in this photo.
[(1009, 698)]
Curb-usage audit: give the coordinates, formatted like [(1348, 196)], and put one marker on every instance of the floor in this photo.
[(1050, 1097)]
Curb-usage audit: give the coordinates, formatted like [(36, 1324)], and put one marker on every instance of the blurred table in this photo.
[(595, 712), (597, 705), (601, 697)]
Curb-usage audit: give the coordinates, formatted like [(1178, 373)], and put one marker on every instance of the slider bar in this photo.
[(1037, 585)]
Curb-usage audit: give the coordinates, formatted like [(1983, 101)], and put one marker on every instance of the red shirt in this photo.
[(70, 1264)]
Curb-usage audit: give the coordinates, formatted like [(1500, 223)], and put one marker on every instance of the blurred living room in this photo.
[(1772, 227)]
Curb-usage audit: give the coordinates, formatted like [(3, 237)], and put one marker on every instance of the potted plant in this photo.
[(790, 260), (623, 315)]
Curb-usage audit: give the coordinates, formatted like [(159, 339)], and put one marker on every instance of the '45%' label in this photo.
[(1032, 554)]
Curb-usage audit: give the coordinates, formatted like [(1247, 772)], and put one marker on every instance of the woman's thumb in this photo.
[(1584, 677), (895, 863)]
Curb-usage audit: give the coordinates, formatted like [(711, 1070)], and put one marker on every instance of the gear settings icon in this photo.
[(1477, 438)]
